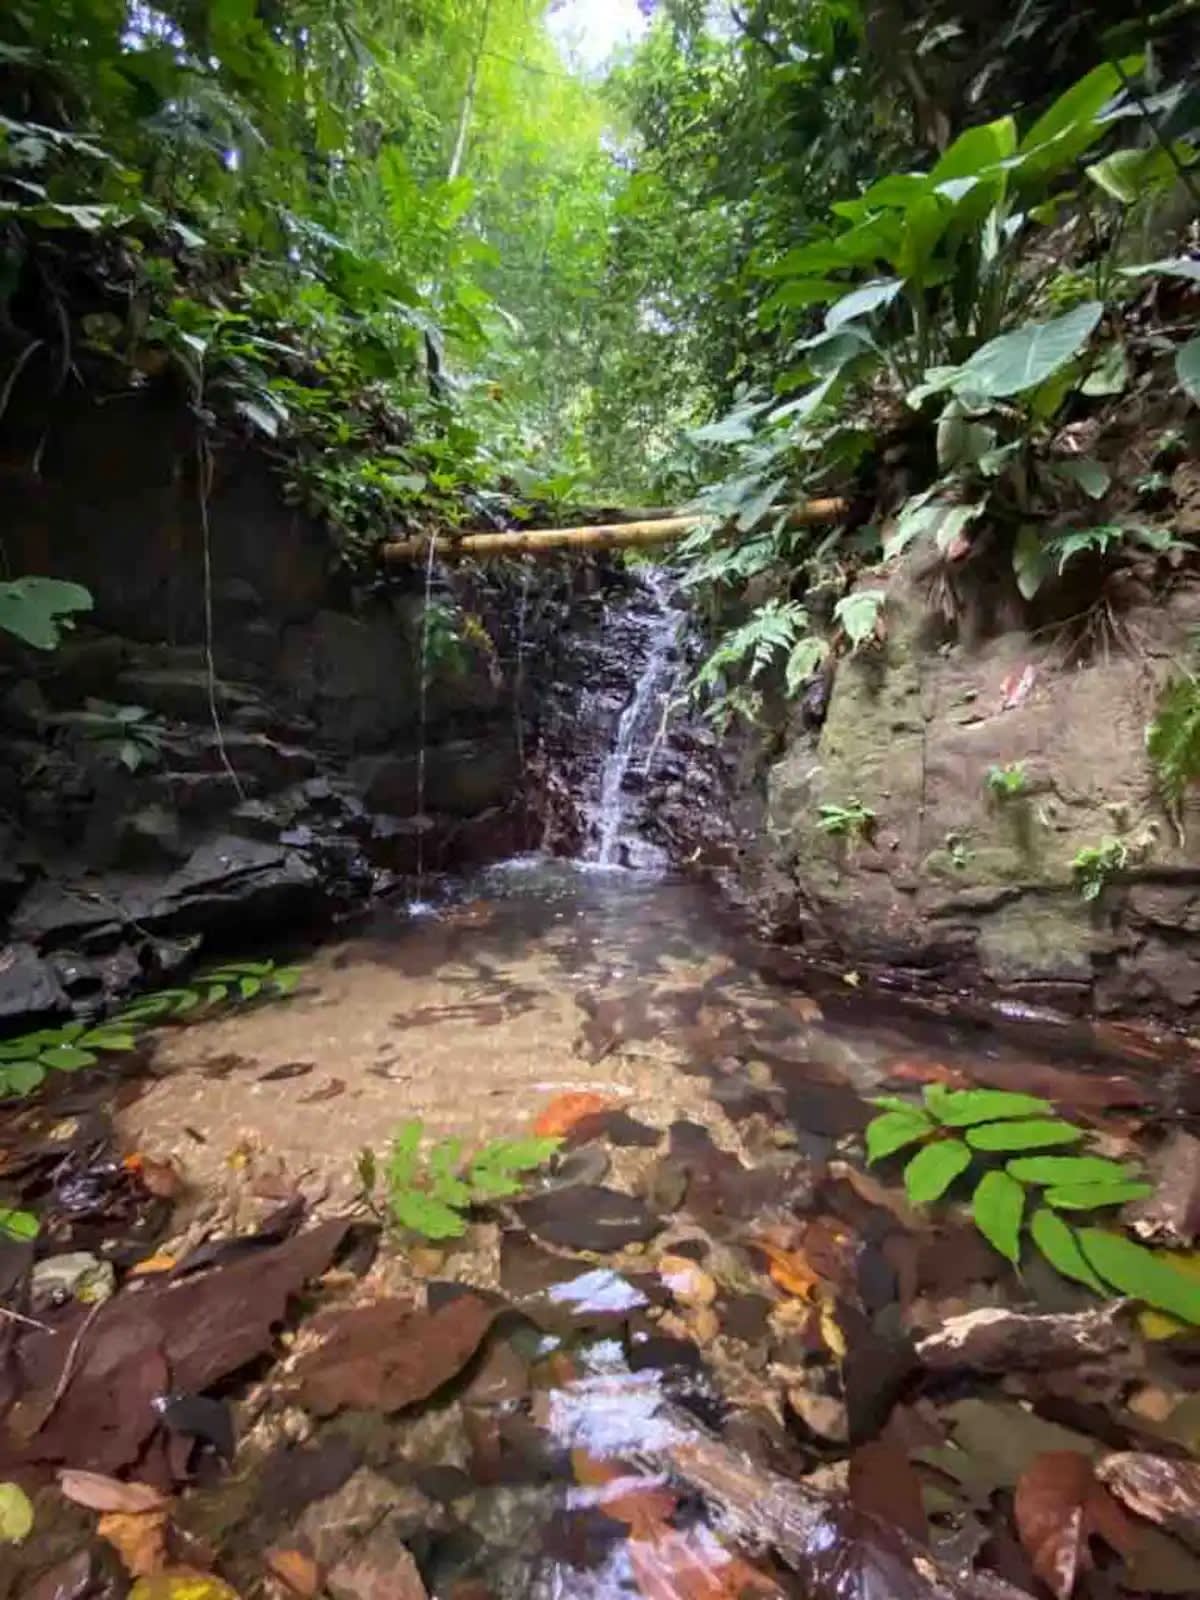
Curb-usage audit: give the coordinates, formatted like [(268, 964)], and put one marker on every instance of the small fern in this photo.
[(1173, 740), (431, 1196)]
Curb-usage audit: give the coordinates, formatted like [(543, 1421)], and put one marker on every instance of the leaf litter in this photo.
[(870, 1312)]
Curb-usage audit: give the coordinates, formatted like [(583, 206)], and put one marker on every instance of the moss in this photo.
[(1038, 937)]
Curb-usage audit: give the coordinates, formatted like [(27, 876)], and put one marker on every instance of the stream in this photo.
[(682, 1344)]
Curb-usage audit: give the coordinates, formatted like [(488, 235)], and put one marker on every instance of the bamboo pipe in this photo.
[(606, 536)]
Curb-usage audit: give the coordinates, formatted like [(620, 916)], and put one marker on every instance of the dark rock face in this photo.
[(306, 799)]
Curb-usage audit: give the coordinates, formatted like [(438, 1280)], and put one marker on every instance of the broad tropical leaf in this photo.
[(1140, 1273), (1060, 1246), (1187, 368), (1018, 361), (36, 610)]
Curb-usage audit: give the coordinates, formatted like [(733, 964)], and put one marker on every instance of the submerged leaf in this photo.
[(16, 1514)]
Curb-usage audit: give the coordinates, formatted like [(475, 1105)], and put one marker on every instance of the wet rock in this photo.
[(589, 1217), (617, 1127), (179, 692), (1171, 1215), (462, 778), (29, 986), (997, 1340)]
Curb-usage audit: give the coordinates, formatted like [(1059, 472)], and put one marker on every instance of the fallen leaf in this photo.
[(1060, 1505), (694, 1565), (327, 1091), (16, 1514), (913, 1071), (1159, 1325), (162, 1179), (70, 1579), (289, 1069), (879, 1194), (589, 1216), (100, 1493), (788, 1269), (884, 1482), (386, 1356), (835, 1339), (806, 1008), (152, 1264), (1161, 1490), (565, 1110), (300, 1573), (139, 1538), (182, 1583)]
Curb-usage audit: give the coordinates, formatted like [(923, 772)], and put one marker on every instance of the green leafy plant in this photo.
[(1094, 866), (239, 981), (38, 610), (26, 1059), (998, 1138), (1008, 782), (21, 1226), (431, 1193), (853, 820), (128, 735), (1173, 741)]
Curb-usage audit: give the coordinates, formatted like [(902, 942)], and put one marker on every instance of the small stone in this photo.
[(380, 1569), (1151, 1403), (820, 1413), (76, 1276), (689, 1283)]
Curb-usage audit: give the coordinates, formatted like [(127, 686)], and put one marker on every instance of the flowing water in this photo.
[(638, 728)]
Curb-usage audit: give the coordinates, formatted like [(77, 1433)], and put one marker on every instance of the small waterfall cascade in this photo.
[(639, 728), (423, 721)]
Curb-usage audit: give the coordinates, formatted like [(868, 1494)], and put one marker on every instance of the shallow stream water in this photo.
[(733, 1090)]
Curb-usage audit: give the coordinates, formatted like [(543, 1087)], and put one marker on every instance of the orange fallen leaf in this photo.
[(139, 1538), (152, 1264), (565, 1110), (788, 1269), (298, 1572), (644, 1504), (693, 1565)]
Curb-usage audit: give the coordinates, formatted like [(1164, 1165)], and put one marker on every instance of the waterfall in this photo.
[(638, 728)]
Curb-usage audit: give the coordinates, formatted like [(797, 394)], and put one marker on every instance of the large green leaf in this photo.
[(1059, 1245), (931, 1172), (19, 1225), (858, 613), (1141, 1273), (1071, 125), (861, 302), (1053, 1172), (1017, 361), (962, 1108), (1187, 367), (997, 1206), (895, 1130), (976, 150), (1031, 1135), (37, 609), (1171, 267)]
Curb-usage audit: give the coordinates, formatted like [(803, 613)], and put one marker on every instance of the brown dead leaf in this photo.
[(1060, 1505), (139, 1538), (806, 1008), (327, 1091), (870, 1189), (909, 1070), (884, 1482), (565, 1110), (1161, 1490), (98, 1492), (386, 1356), (296, 1571)]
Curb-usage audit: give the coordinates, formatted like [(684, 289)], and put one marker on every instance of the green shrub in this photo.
[(1094, 865), (853, 820), (999, 1139), (1007, 782), (431, 1195)]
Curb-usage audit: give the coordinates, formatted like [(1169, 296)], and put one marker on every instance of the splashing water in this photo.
[(657, 674)]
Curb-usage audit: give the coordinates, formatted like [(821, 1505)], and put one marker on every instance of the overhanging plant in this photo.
[(1030, 1175)]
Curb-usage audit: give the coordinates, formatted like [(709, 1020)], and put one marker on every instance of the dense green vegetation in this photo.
[(788, 247)]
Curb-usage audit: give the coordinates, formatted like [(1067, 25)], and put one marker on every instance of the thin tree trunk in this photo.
[(468, 104)]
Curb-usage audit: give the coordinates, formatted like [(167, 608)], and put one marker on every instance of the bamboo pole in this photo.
[(606, 536)]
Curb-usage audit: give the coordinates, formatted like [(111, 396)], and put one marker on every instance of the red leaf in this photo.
[(1060, 1504), (1017, 687)]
